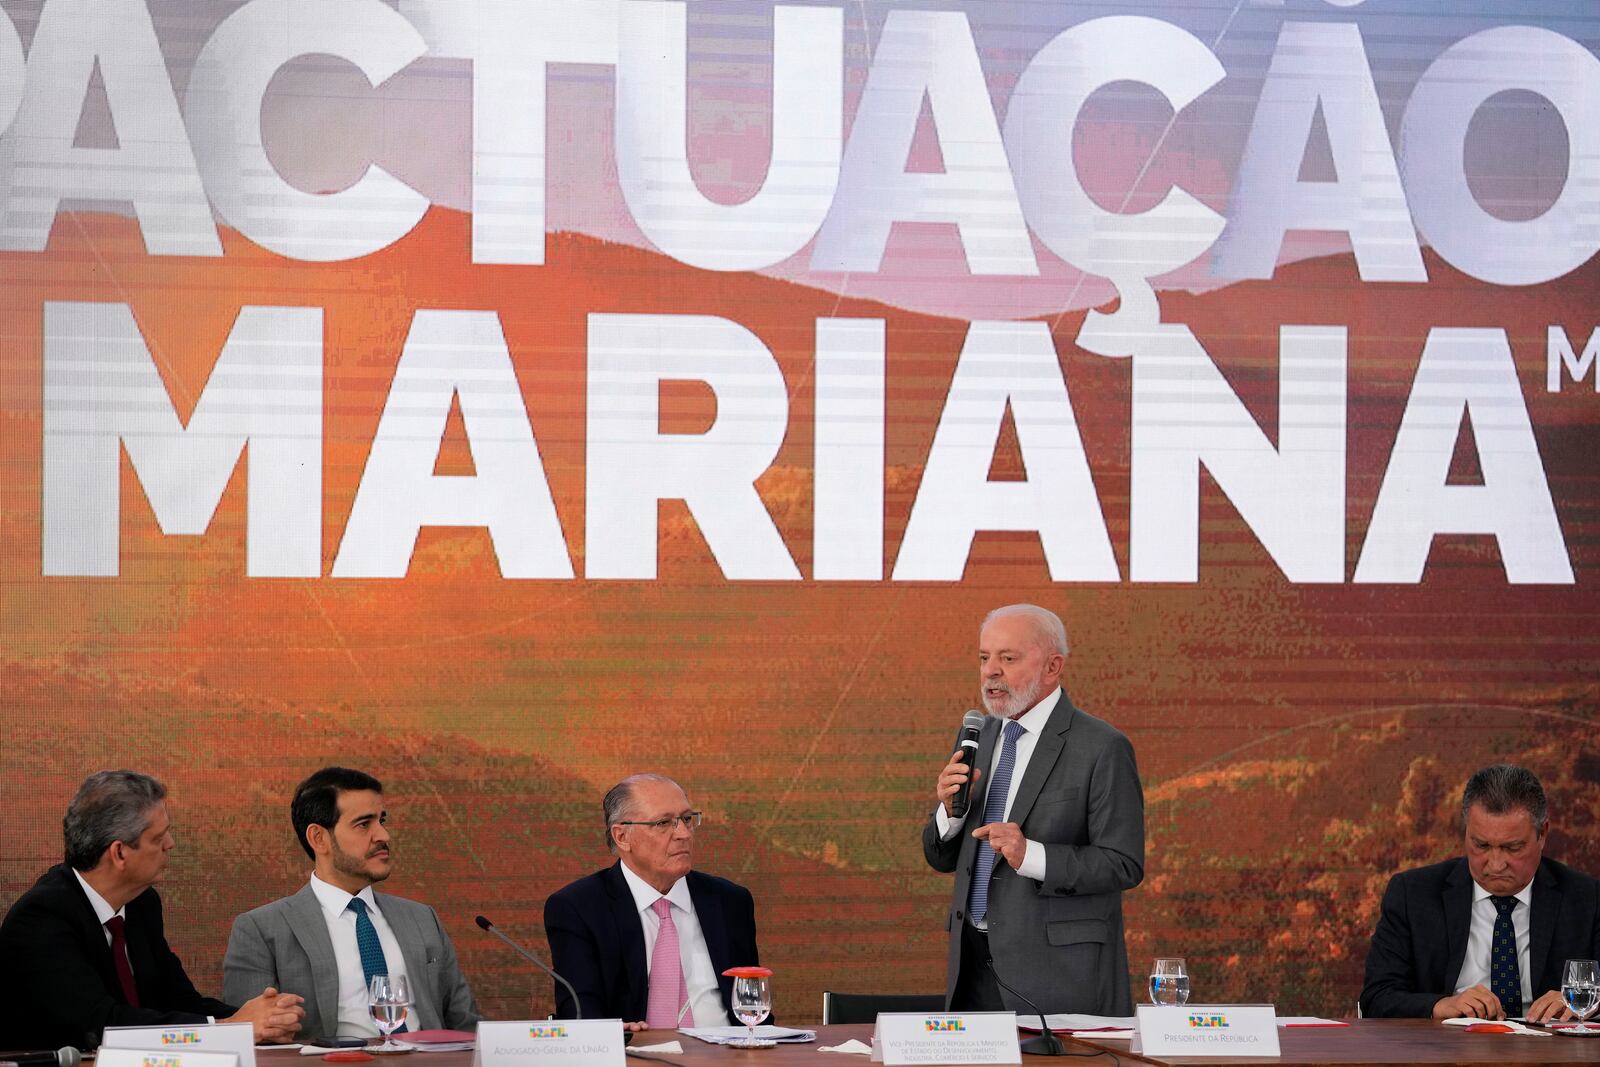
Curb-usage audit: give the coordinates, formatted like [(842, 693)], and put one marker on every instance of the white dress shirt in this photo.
[(699, 976), (1480, 936), (102, 908), (1033, 723), (354, 1018)]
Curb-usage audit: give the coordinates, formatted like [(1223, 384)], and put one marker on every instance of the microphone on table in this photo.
[(1046, 1044), (491, 928), (66, 1056), (967, 751)]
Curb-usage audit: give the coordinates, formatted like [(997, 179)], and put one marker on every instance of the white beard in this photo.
[(1011, 701)]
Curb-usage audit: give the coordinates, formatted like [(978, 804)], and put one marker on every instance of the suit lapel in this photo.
[(712, 928), (1457, 918), (1542, 926), (403, 924), (630, 936), (303, 913), (1046, 750), (95, 937)]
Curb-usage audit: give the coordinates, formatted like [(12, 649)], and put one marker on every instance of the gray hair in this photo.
[(1503, 788), (618, 803), (109, 806), (1046, 624)]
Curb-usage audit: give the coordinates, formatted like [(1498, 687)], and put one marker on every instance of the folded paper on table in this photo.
[(721, 1035)]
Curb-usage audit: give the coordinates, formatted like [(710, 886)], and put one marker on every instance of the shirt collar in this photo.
[(335, 901), (102, 908), (645, 895), (1526, 896), (1033, 720)]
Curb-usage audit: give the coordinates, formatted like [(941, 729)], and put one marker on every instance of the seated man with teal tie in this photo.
[(1485, 935), (327, 941)]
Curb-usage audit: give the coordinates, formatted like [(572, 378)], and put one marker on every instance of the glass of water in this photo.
[(1580, 988), (752, 1002), (1169, 982), (388, 1000)]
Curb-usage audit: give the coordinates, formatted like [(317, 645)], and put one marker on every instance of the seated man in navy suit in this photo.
[(1485, 936), (646, 940)]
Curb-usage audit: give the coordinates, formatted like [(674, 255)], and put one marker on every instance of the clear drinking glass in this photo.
[(1169, 982), (752, 1002), (1580, 988), (389, 999)]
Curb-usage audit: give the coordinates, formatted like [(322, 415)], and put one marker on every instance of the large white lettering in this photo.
[(1185, 414), (1007, 364), (102, 393), (454, 356), (652, 139), (925, 55), (152, 166), (1465, 373), (632, 465), (223, 107), (1319, 65)]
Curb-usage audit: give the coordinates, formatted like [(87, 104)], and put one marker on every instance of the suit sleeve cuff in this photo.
[(947, 827)]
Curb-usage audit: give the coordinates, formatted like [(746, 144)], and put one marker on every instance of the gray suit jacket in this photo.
[(285, 944), (1060, 941)]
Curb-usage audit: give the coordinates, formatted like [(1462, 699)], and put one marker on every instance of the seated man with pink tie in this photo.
[(646, 940)]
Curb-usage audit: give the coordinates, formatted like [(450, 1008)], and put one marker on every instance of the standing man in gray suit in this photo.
[(1053, 835), (328, 940)]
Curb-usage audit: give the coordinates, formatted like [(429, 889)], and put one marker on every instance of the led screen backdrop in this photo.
[(505, 396)]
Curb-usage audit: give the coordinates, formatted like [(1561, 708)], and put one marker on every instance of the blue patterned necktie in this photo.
[(1505, 975), (994, 810), (367, 943)]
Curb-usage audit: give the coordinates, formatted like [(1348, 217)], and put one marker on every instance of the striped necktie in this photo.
[(994, 810)]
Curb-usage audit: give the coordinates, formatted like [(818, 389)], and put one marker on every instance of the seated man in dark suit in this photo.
[(646, 940), (311, 943), (1485, 936), (84, 949)]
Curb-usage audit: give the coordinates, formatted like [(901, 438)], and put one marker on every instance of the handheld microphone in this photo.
[(490, 927), (1046, 1044), (66, 1056), (967, 750)]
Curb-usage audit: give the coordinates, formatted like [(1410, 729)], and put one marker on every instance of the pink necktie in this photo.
[(668, 991)]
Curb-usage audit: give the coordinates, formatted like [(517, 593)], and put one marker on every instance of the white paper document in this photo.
[(721, 1035)]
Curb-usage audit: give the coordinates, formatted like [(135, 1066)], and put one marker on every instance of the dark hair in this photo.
[(618, 802), (316, 800), (109, 806), (1506, 787)]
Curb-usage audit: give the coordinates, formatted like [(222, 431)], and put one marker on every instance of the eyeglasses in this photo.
[(691, 820)]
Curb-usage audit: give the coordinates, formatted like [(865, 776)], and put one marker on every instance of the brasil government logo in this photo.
[(944, 1026), (158, 1061), (547, 1031), (1208, 1022), (179, 1037)]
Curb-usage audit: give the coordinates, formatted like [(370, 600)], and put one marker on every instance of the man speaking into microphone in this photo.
[(1052, 834)]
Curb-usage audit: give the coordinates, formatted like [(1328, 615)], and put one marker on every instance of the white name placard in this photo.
[(939, 1037), (237, 1038), (140, 1057), (1207, 1030), (580, 1042)]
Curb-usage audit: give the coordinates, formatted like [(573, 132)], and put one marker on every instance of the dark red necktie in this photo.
[(119, 958)]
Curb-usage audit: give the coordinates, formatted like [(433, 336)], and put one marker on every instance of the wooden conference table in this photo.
[(1364, 1042)]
